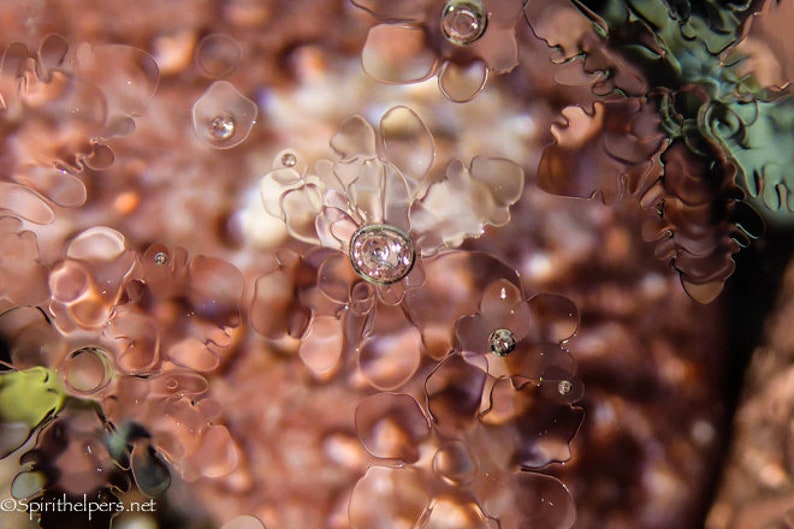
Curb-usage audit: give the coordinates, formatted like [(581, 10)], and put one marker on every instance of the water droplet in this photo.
[(382, 254), (502, 342), (463, 21), (564, 387), (222, 127), (289, 160), (160, 258)]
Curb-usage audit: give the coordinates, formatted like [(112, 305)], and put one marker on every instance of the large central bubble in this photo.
[(382, 254)]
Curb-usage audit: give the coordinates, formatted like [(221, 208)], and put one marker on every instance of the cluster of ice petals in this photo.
[(490, 418), (135, 332), (371, 218), (461, 41)]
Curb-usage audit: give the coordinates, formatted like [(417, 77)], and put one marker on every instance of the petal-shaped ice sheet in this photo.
[(27, 398), (503, 307), (87, 371), (498, 47), (301, 207), (593, 155), (336, 278), (697, 222), (522, 427), (398, 54), (388, 497), (138, 338), (216, 456), (334, 226), (321, 345), (218, 55), (458, 278), (104, 252), (222, 116), (127, 76), (527, 499), (355, 138), (151, 474), (406, 142), (392, 426), (246, 521), (562, 26), (455, 463), (51, 55), (460, 205), (461, 83), (276, 308), (56, 184), (25, 203), (457, 509), (193, 354), (23, 279), (556, 317), (215, 290), (390, 11), (391, 351), (454, 394)]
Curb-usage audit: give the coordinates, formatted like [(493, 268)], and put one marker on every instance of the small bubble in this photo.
[(160, 258), (564, 387), (289, 160), (222, 127), (463, 21), (502, 342), (382, 254)]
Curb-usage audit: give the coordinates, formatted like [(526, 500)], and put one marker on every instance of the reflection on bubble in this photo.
[(218, 55), (223, 117), (87, 370)]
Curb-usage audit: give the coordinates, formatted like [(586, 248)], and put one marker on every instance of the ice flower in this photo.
[(462, 41), (375, 213)]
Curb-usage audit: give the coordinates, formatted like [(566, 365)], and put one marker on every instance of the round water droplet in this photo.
[(222, 127), (382, 254), (160, 258), (289, 160), (463, 21), (564, 387), (502, 342)]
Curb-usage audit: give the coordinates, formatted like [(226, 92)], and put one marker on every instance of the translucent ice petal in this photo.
[(355, 137), (405, 10), (406, 142), (526, 499), (222, 116), (391, 353), (150, 472), (557, 316), (321, 345), (301, 207), (455, 463), (56, 184), (139, 339), (25, 203), (454, 394), (388, 497), (87, 371), (461, 83), (391, 426), (397, 54)]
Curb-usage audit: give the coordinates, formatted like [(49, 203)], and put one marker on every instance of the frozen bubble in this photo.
[(160, 258), (502, 342), (463, 21), (564, 387), (223, 117), (382, 254), (289, 160)]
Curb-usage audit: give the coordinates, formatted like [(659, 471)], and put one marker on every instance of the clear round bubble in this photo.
[(463, 22), (160, 258), (502, 342), (289, 160), (223, 117), (218, 55), (564, 387), (382, 254)]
